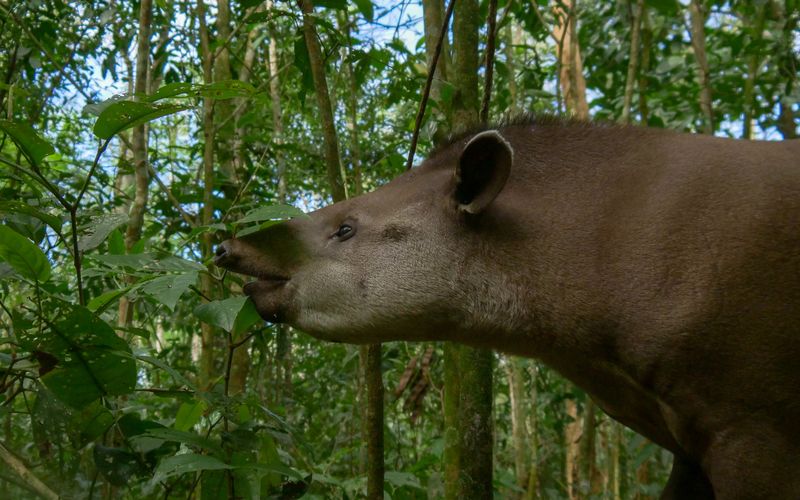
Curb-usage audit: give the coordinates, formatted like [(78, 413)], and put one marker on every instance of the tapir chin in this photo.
[(658, 271)]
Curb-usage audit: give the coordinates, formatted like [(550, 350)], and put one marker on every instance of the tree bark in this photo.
[(633, 60), (698, 21), (332, 158), (753, 66), (141, 176), (283, 340), (371, 354), (515, 372), (206, 365), (647, 40), (474, 414), (571, 79), (433, 17)]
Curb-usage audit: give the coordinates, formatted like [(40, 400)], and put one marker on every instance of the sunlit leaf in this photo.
[(221, 313), (20, 253), (123, 115), (98, 230), (27, 140), (168, 289), (188, 462)]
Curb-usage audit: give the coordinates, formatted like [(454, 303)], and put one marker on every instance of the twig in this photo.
[(428, 82), (17, 466), (490, 45)]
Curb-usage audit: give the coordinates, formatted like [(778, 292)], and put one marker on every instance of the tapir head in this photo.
[(387, 265)]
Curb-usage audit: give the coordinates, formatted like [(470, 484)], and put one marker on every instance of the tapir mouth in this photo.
[(268, 294)]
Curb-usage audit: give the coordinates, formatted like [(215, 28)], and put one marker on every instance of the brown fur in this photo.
[(658, 271)]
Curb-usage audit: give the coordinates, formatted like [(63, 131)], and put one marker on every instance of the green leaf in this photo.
[(98, 230), (331, 4), (180, 379), (123, 115), (189, 414), (166, 434), (116, 243), (26, 258), (272, 212), (221, 313), (227, 89), (246, 318), (117, 465), (91, 361), (176, 89), (183, 464), (402, 479), (18, 207), (168, 289), (366, 9), (302, 62), (27, 140)]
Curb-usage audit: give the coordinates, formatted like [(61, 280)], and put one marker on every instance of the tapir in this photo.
[(659, 271)]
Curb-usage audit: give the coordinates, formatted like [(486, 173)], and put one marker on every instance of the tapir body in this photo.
[(658, 271)]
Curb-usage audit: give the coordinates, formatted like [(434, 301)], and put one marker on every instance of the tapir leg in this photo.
[(687, 481)]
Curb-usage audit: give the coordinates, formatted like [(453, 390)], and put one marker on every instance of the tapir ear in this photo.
[(482, 171)]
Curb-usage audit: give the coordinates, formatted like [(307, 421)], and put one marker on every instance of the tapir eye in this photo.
[(344, 232)]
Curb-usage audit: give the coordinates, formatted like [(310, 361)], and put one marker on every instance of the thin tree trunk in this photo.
[(452, 393), (474, 372), (332, 158), (513, 38), (753, 65), (283, 341), (519, 437), (572, 435), (633, 60), (371, 354), (647, 40), (614, 443), (206, 368), (572, 81), (787, 123), (533, 433), (139, 148), (433, 17), (241, 356), (698, 21), (351, 105)]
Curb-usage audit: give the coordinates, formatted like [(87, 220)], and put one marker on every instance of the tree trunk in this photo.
[(241, 356), (283, 340), (370, 354), (753, 65), (206, 368), (633, 60), (533, 433), (332, 158), (572, 435), (698, 21), (515, 371), (787, 124), (452, 394), (139, 149), (433, 17), (571, 79), (647, 40)]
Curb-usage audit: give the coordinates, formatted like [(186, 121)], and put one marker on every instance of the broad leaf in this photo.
[(20, 253), (27, 140), (272, 212), (98, 230), (123, 115), (90, 360), (18, 207), (168, 289), (189, 414), (189, 462), (221, 313)]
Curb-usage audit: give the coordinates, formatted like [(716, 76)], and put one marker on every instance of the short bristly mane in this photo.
[(517, 120)]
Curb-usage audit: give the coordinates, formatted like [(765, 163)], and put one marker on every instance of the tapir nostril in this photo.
[(223, 253)]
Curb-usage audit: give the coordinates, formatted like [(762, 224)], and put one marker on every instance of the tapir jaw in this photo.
[(269, 297)]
